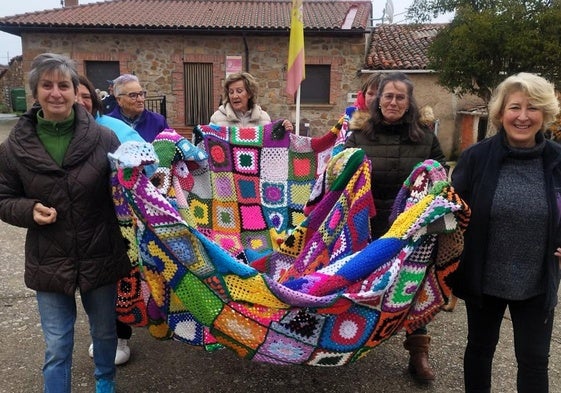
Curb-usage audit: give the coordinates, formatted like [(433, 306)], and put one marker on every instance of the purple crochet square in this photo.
[(286, 349)]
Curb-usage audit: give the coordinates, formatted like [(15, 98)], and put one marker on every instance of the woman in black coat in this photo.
[(395, 139), (512, 183), (54, 181)]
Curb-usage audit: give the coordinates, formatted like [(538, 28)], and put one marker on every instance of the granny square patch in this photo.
[(405, 287), (296, 216), (224, 189), (302, 167), (348, 331), (252, 218), (252, 136), (329, 359), (226, 217), (388, 324), (273, 194), (187, 329), (228, 241), (276, 219), (246, 160), (286, 349), (200, 211), (241, 328), (220, 159), (274, 164), (257, 241), (248, 189), (298, 194)]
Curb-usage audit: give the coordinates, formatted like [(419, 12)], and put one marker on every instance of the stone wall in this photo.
[(12, 78), (158, 61), (446, 107)]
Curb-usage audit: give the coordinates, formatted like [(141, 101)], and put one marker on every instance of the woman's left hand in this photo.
[(557, 253), (288, 125)]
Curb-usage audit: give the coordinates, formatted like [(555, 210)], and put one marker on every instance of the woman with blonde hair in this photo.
[(512, 183)]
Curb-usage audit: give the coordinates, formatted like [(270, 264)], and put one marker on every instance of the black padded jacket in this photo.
[(393, 155), (84, 248)]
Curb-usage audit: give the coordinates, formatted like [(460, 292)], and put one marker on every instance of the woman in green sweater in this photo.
[(54, 181)]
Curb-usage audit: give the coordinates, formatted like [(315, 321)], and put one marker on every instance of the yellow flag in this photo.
[(296, 63)]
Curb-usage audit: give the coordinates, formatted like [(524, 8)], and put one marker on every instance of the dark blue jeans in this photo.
[(532, 326)]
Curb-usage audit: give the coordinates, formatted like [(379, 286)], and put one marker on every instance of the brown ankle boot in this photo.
[(418, 347), (451, 304)]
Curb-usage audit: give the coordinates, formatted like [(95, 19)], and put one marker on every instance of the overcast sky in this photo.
[(10, 45)]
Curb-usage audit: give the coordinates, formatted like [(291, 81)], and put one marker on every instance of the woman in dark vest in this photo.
[(395, 139)]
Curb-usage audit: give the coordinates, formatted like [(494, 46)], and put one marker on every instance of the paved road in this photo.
[(168, 366)]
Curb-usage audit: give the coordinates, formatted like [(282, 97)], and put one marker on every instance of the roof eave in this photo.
[(19, 30), (405, 71)]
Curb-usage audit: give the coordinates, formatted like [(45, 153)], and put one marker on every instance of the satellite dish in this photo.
[(388, 11)]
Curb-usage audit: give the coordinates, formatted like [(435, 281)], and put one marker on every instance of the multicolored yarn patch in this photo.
[(316, 291)]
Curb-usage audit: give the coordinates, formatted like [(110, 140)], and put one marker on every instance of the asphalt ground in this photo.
[(169, 366)]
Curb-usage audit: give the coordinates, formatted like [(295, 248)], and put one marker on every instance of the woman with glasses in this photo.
[(395, 139), (130, 108)]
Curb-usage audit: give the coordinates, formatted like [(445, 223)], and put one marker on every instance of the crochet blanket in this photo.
[(315, 291)]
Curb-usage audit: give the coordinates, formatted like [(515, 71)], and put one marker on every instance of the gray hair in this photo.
[(121, 81), (49, 63), (540, 92)]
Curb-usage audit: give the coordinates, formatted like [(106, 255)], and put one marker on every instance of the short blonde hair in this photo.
[(540, 92)]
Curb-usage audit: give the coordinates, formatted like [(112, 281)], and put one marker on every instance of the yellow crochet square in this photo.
[(252, 290)]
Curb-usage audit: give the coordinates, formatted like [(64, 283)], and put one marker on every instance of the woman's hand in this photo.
[(557, 253), (288, 125), (43, 215)]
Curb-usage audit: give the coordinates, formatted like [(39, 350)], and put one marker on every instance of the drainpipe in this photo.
[(246, 53)]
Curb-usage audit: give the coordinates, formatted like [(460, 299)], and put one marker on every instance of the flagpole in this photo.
[(296, 65), (297, 129)]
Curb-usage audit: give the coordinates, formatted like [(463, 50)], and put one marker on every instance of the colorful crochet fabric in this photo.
[(315, 292)]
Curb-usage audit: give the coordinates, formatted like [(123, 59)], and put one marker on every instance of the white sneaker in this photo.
[(123, 353)]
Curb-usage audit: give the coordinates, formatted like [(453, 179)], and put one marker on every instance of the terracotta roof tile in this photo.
[(401, 47), (270, 15)]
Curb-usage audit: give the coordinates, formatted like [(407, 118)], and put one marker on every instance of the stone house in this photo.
[(11, 77), (404, 48), (183, 49)]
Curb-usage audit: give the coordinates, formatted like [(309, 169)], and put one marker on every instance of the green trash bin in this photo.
[(19, 103)]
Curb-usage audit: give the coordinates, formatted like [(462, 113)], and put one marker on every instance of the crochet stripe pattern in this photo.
[(266, 249)]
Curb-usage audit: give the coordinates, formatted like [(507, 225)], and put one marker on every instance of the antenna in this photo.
[(388, 11)]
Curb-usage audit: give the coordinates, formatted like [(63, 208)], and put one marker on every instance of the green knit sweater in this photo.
[(55, 136)]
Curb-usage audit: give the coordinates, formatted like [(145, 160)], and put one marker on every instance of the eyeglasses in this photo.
[(134, 94), (389, 97)]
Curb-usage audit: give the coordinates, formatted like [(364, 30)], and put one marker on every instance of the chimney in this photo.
[(70, 3)]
